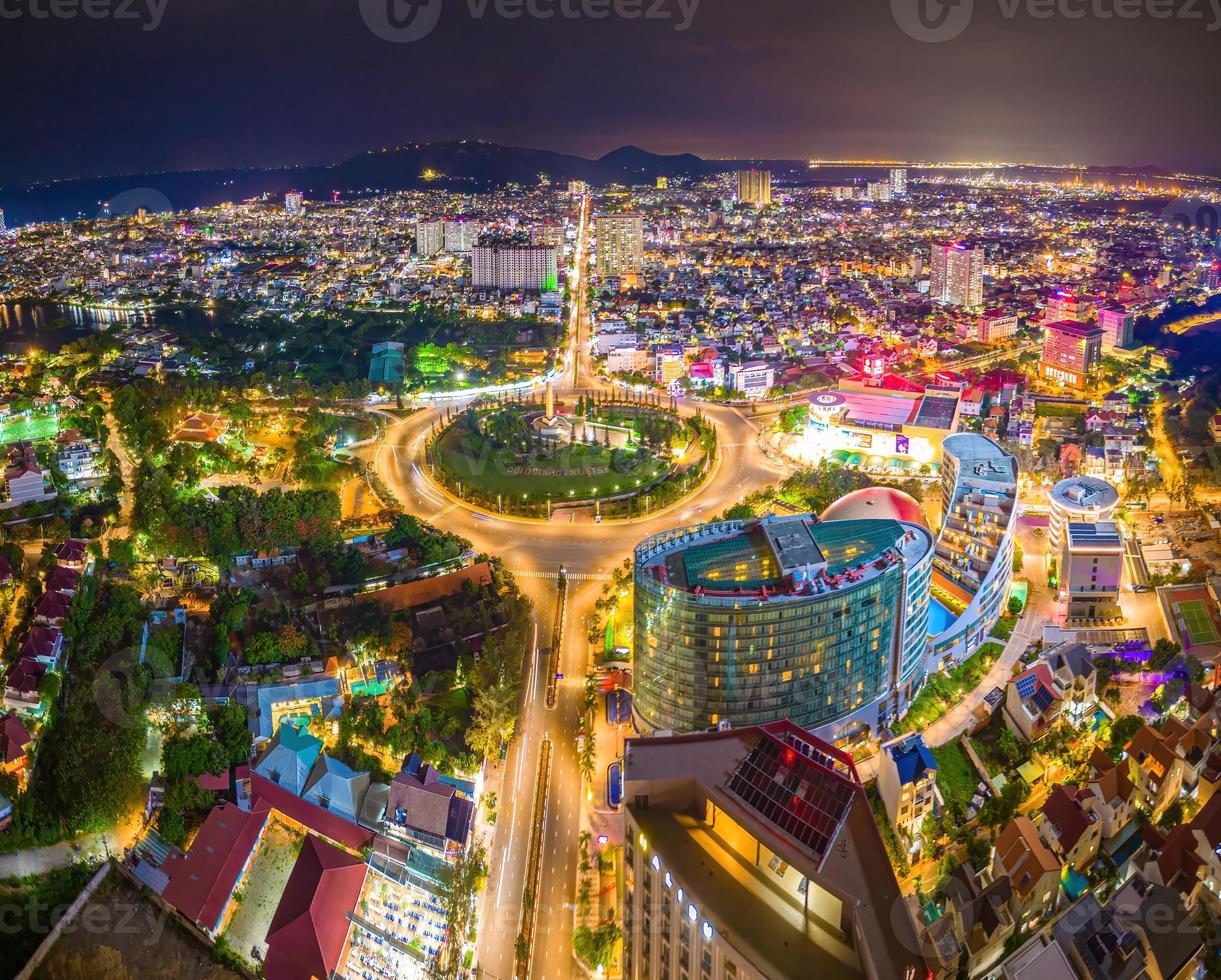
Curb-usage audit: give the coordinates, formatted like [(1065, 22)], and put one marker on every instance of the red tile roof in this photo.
[(306, 935), (13, 739), (202, 880)]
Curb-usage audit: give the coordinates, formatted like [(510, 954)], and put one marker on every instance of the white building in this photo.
[(513, 267), (995, 326), (429, 238), (626, 360), (755, 187), (79, 462), (620, 244), (1092, 570), (1117, 326), (461, 235), (957, 275), (25, 481), (753, 379), (294, 204), (898, 181)]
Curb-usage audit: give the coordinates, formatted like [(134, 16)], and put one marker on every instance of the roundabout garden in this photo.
[(620, 455)]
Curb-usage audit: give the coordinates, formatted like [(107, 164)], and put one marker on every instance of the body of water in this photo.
[(48, 326), (940, 618)]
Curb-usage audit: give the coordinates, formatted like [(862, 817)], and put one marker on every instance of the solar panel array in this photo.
[(1043, 699), (795, 794), (1026, 686)]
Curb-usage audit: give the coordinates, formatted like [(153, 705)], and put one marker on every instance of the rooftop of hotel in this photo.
[(1086, 537), (790, 556), (1084, 493), (981, 458), (802, 800)]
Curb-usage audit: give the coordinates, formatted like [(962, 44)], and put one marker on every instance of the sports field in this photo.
[(1198, 623), (40, 426)]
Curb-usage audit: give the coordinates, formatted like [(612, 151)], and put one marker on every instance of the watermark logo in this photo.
[(404, 21), (401, 21), (935, 21), (1196, 216), (932, 21), (147, 13), (131, 203)]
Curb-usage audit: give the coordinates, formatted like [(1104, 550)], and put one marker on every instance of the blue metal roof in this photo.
[(913, 760)]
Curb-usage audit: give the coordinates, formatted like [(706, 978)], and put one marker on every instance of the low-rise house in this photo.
[(79, 462), (1193, 744), (14, 748), (63, 579), (1143, 933), (1072, 666), (1032, 702), (1072, 831), (44, 644), (1033, 871), (51, 609), (427, 810), (976, 922), (73, 553), (1039, 958), (1155, 768), (1114, 800), (21, 686), (907, 784), (1188, 859)]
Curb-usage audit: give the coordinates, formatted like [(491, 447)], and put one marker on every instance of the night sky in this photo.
[(224, 83)]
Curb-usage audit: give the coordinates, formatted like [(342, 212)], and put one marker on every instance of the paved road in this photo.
[(538, 549)]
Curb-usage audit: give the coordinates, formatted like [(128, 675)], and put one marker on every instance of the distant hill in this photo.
[(463, 165)]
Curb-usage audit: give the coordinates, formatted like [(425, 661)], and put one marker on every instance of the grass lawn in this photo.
[(956, 777), (40, 426), (579, 472), (942, 691), (1004, 627)]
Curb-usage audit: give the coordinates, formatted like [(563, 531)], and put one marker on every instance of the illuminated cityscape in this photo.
[(436, 543)]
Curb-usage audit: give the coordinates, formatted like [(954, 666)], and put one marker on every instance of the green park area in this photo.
[(945, 689), (507, 459), (32, 426)]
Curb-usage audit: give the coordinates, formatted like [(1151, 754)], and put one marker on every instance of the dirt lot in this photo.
[(120, 935), (261, 890)]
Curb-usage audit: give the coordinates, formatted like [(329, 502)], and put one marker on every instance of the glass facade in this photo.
[(703, 659)]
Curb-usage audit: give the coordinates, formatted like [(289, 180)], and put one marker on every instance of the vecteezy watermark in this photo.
[(1199, 217), (147, 12), (404, 21), (936, 21), (132, 202), (119, 919)]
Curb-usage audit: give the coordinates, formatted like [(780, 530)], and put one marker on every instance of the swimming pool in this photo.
[(940, 618)]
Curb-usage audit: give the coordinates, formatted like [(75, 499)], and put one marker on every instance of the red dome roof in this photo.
[(879, 503)]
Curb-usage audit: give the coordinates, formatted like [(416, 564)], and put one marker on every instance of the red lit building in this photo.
[(1071, 352)]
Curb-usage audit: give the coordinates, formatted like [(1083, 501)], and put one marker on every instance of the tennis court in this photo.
[(1198, 623), (31, 427)]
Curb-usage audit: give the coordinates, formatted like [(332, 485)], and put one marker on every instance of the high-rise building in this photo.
[(1117, 327), (461, 235), (663, 183), (577, 187), (878, 191), (1072, 352), (898, 181), (1078, 500), (511, 266), (547, 233), (620, 244), (294, 204), (1091, 570), (429, 238), (3, 226), (753, 621), (957, 275), (755, 187), (753, 854)]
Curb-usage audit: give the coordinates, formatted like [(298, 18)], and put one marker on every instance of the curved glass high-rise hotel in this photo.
[(825, 623)]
